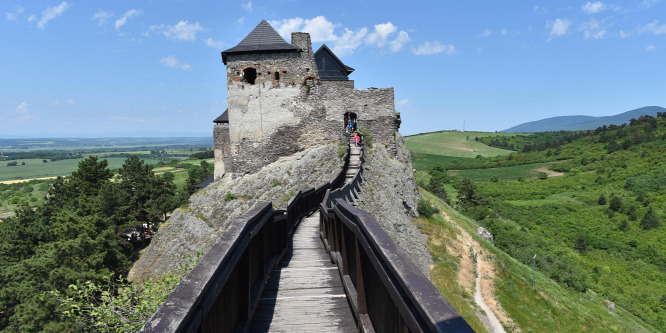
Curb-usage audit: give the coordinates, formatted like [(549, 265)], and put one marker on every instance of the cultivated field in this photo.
[(454, 144)]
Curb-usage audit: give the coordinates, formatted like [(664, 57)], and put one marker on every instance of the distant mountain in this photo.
[(579, 123)]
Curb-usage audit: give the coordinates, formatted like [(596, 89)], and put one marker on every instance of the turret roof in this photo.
[(262, 39)]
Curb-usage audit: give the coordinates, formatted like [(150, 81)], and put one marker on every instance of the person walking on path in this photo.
[(356, 138)]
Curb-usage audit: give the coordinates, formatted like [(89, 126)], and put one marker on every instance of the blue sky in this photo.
[(153, 68)]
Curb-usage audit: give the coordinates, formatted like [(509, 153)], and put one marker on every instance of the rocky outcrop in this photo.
[(483, 232), (197, 227), (389, 194)]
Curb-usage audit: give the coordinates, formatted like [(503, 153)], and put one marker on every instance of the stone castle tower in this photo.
[(283, 98)]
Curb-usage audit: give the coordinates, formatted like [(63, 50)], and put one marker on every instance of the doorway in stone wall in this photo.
[(350, 122)]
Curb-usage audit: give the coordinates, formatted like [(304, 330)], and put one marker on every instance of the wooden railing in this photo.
[(386, 290), (388, 293)]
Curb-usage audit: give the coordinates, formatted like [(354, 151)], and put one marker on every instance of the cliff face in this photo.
[(197, 227), (389, 194)]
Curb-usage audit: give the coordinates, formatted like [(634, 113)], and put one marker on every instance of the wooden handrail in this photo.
[(222, 292)]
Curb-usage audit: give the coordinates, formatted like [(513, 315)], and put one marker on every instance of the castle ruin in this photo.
[(283, 98)]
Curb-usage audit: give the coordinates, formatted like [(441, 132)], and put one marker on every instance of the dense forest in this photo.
[(596, 224), (76, 236)]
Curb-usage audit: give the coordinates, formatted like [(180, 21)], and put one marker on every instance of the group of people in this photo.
[(350, 127), (350, 122)]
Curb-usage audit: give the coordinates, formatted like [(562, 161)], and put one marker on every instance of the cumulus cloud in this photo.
[(624, 34), (247, 6), (183, 30), (21, 114), (593, 29), (18, 10), (654, 28), (102, 16), (385, 35), (593, 7), (173, 62), (540, 10), (486, 33), (650, 48), (404, 102), (558, 27), (132, 12), (50, 13), (428, 48), (214, 43)]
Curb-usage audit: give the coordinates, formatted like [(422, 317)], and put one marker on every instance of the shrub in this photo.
[(426, 209), (229, 196), (650, 220), (602, 200), (542, 175), (615, 204)]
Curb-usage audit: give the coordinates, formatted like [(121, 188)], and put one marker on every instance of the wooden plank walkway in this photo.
[(304, 293)]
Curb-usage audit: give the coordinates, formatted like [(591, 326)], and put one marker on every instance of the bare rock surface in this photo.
[(389, 194), (197, 227)]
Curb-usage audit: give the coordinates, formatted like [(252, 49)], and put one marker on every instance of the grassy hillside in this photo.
[(595, 218), (546, 307), (443, 147)]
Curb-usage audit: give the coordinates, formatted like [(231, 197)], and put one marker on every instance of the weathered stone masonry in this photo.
[(278, 105)]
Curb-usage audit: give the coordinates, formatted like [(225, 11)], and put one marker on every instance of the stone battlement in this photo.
[(279, 104)]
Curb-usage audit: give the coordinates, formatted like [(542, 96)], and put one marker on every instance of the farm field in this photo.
[(454, 144)]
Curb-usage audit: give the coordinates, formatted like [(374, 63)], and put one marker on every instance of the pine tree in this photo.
[(650, 220)]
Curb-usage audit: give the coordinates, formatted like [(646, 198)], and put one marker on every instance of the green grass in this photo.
[(454, 144), (504, 174), (547, 307)]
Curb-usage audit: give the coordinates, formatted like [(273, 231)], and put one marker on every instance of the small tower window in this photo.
[(250, 75), (277, 76)]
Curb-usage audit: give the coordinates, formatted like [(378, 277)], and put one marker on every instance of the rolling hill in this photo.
[(579, 123)]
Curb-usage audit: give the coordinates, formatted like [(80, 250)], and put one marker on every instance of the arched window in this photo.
[(249, 75)]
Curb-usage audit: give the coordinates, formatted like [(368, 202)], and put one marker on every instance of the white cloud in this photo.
[(540, 10), (70, 101), (624, 34), (558, 28), (593, 7), (349, 41), (18, 10), (247, 6), (593, 29), (404, 102), (175, 63), (380, 37), (650, 48), (319, 29), (132, 12), (241, 20), (648, 3), (504, 32), (50, 13), (101, 16), (32, 18), (654, 28), (428, 48), (21, 114), (486, 33), (183, 30), (399, 41), (214, 43), (322, 30)]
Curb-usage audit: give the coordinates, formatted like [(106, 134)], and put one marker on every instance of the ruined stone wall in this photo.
[(280, 114), (222, 150)]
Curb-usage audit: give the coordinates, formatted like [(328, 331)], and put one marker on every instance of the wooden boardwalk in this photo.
[(304, 293)]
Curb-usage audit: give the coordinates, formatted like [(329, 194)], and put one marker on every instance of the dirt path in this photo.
[(549, 172), (477, 271), (23, 180)]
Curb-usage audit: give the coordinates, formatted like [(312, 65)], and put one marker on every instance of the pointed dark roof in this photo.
[(330, 66), (262, 39), (223, 118)]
